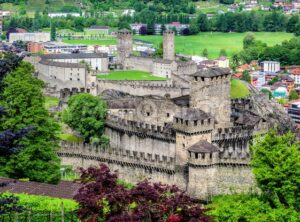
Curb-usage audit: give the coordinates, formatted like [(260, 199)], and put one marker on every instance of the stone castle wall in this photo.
[(131, 166), (139, 137), (205, 182), (142, 88), (200, 180), (139, 63)]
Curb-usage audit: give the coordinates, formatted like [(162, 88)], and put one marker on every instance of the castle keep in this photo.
[(185, 130)]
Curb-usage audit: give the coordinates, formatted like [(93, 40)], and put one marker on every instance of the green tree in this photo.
[(203, 22), (248, 40), (246, 76), (275, 160), (205, 53), (159, 52), (292, 23), (53, 31), (86, 114), (297, 29), (293, 95), (24, 103), (194, 27), (235, 61), (223, 53)]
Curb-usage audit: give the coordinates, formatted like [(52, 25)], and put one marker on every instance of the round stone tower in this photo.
[(169, 45), (124, 45)]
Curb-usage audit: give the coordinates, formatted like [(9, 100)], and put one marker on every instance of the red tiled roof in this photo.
[(65, 189), (295, 71)]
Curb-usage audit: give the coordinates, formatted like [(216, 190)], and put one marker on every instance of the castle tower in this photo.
[(192, 126), (210, 92), (124, 45), (169, 45)]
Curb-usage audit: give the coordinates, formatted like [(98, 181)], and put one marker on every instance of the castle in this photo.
[(185, 130)]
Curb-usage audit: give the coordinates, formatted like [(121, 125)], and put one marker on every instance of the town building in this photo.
[(270, 66), (99, 29), (97, 61), (35, 47), (29, 37), (223, 62), (63, 14), (294, 72), (294, 112), (60, 47), (258, 79)]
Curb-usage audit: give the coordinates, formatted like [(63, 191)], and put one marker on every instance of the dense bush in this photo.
[(249, 208), (103, 198), (44, 203), (36, 208)]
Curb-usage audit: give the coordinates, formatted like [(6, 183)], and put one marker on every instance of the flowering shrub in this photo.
[(102, 198)]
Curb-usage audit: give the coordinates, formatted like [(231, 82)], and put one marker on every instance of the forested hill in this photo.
[(168, 6), (158, 6)]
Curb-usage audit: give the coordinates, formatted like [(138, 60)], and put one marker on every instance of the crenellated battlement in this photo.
[(140, 129), (203, 159), (119, 156), (193, 126), (232, 133), (156, 83)]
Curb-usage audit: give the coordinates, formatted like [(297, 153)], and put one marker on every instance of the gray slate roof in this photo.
[(192, 114), (75, 56), (61, 64), (203, 147), (212, 72)]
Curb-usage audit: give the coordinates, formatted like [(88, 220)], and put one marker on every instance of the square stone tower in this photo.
[(124, 45), (210, 92), (169, 45), (192, 125)]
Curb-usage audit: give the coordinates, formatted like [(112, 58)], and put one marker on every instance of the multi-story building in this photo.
[(29, 37), (270, 66), (294, 112), (60, 47), (97, 61), (294, 72), (35, 47)]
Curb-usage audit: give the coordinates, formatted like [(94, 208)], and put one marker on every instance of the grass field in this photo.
[(194, 45), (129, 75), (92, 42), (214, 42), (238, 89)]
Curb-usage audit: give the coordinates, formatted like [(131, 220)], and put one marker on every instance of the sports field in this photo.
[(194, 45), (129, 75)]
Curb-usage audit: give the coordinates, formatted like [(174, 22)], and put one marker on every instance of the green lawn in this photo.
[(238, 89), (129, 75), (231, 42), (92, 42), (51, 101), (194, 45)]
